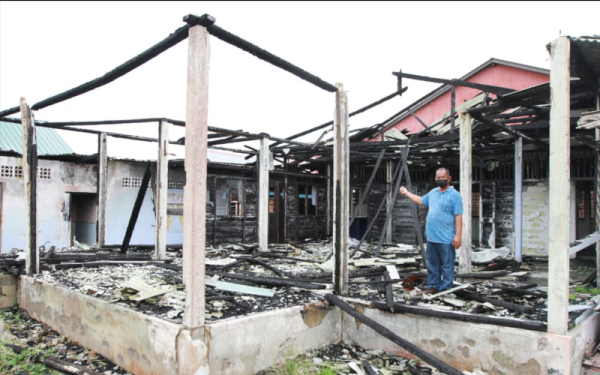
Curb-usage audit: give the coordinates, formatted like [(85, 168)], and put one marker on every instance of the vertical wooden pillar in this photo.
[(558, 230), (518, 201), (194, 193), (102, 177), (162, 185), (263, 195), (329, 199), (29, 165), (388, 179), (466, 182), (597, 201), (341, 192), (452, 108)]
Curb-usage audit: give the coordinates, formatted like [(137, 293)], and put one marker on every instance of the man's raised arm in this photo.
[(413, 197)]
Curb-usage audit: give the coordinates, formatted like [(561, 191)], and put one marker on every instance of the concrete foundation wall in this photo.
[(468, 346), (138, 343), (246, 345)]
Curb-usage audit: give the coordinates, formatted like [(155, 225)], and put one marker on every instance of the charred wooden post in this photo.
[(328, 199), (408, 346), (518, 210), (452, 109), (394, 194), (466, 182), (389, 178), (263, 195), (29, 165), (162, 185), (368, 187), (194, 193), (558, 232), (597, 202), (102, 189), (383, 201), (415, 215), (341, 190)]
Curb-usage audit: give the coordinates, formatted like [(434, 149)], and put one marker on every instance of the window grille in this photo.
[(44, 173)]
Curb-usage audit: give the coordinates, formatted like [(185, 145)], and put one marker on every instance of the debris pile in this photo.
[(351, 359), (242, 280)]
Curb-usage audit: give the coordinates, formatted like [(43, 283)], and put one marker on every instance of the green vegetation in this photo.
[(12, 363), (302, 365), (592, 291)]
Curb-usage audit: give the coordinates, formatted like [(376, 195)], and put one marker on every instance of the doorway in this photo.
[(586, 211), (276, 212), (82, 213), (1, 217)]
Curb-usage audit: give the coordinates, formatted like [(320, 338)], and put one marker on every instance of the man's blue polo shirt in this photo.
[(441, 224)]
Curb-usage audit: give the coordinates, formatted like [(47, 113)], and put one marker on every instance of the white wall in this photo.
[(52, 201)]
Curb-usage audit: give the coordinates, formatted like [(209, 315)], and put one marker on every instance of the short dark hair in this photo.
[(443, 169)]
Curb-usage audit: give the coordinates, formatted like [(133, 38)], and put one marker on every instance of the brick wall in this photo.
[(8, 290)]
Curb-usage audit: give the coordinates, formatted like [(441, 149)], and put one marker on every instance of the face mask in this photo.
[(441, 183)]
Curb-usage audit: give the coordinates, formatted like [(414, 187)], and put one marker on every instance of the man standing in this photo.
[(443, 230)]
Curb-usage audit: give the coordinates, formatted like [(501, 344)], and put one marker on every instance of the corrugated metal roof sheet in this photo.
[(590, 48), (49, 141)]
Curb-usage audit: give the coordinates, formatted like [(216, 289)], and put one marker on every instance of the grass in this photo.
[(302, 365), (12, 363)]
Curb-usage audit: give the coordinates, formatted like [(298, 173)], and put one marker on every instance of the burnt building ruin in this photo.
[(525, 161)]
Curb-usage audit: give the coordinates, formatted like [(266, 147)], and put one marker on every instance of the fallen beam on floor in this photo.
[(494, 301), (532, 325), (410, 347), (270, 281)]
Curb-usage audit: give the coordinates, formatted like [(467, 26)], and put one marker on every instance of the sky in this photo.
[(49, 47)]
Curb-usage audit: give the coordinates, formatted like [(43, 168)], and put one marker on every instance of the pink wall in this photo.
[(495, 75)]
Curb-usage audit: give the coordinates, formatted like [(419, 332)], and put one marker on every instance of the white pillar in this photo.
[(162, 185), (194, 193), (328, 199), (29, 165), (558, 228), (263, 195), (466, 182), (102, 176), (341, 192), (518, 201)]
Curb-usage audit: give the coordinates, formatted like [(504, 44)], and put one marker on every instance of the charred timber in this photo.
[(457, 82), (510, 130), (507, 305), (55, 363), (208, 22), (270, 281), (136, 208), (179, 35), (532, 325), (358, 111), (410, 347), (482, 275)]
